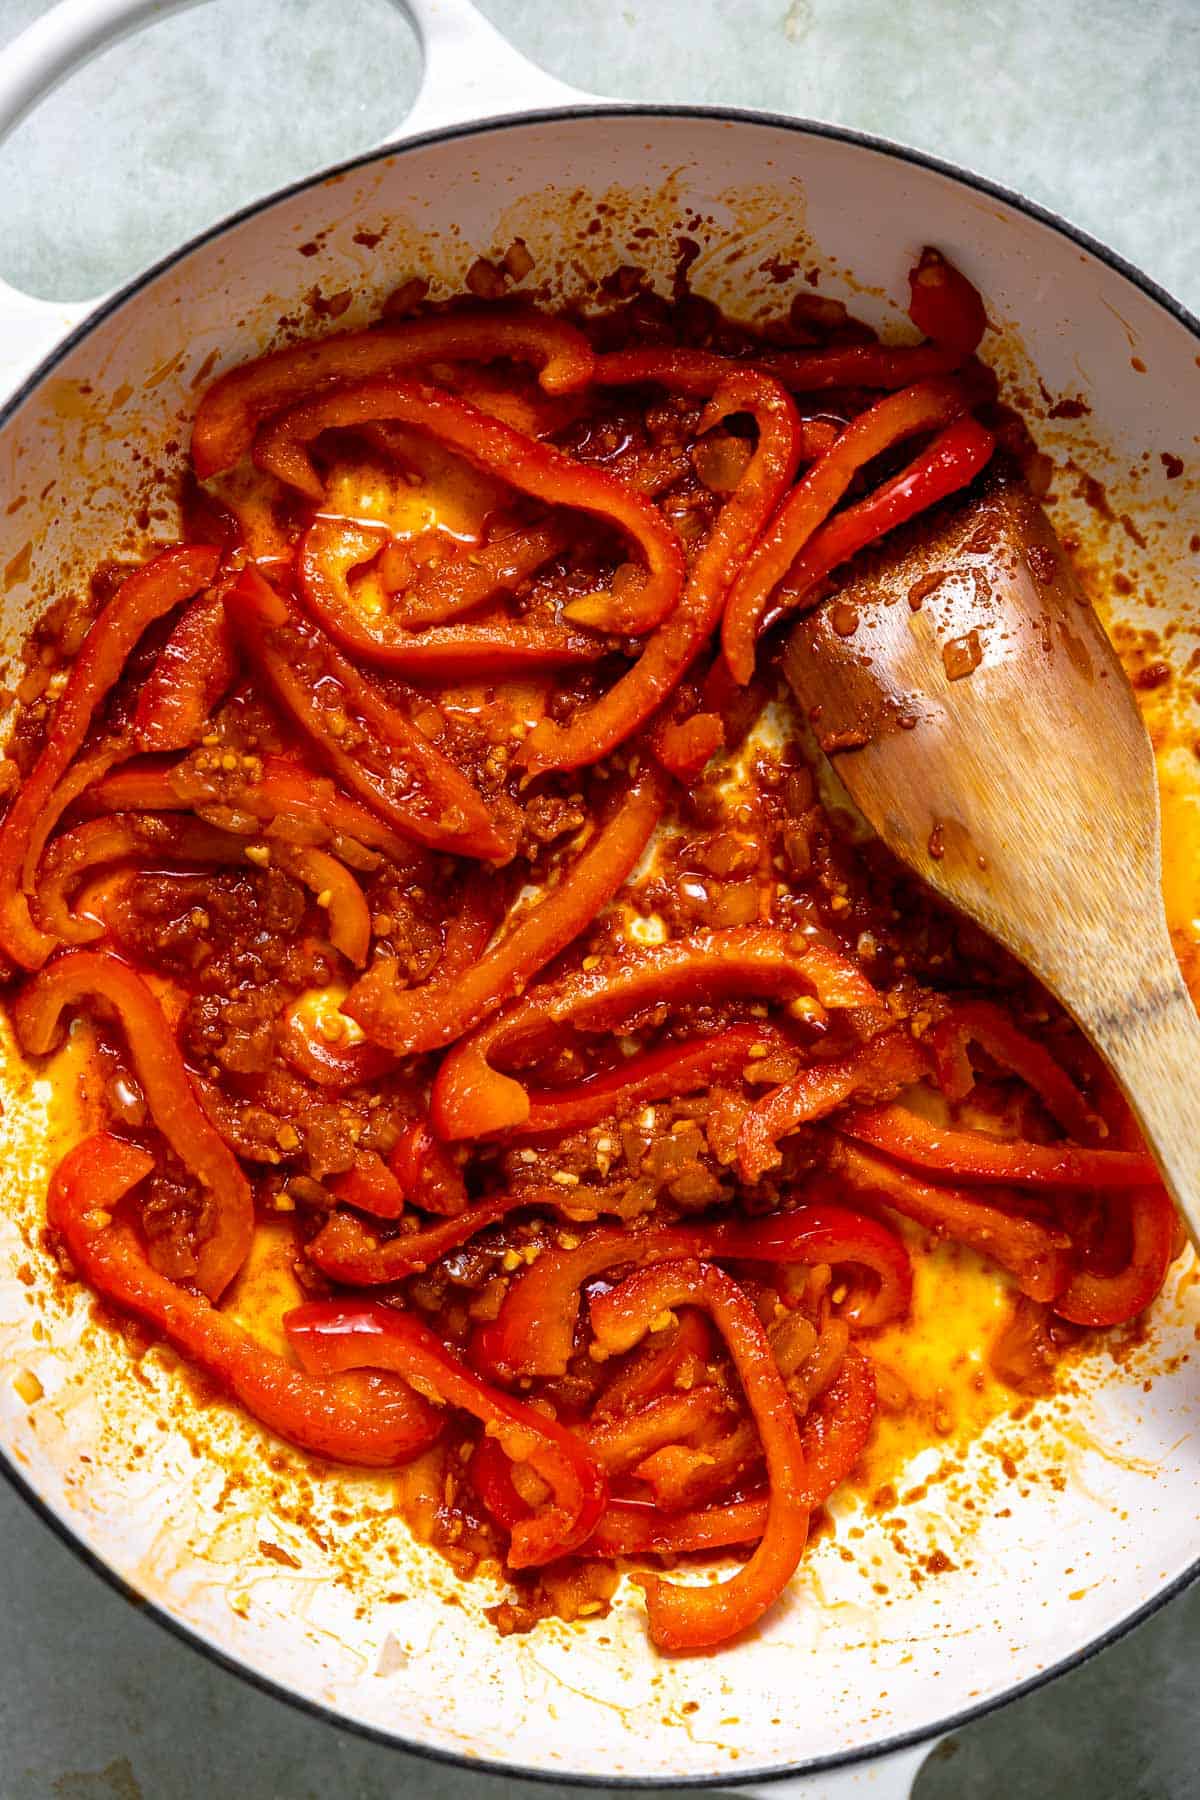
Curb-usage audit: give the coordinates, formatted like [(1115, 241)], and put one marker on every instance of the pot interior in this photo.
[(1055, 1526)]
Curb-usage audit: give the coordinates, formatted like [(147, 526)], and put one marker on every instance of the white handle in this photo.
[(469, 71), (883, 1778)]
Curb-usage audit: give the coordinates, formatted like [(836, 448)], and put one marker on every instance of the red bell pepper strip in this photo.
[(143, 597), (695, 1618), (231, 408), (1035, 1254), (370, 1420), (939, 1150), (669, 1071), (526, 463), (471, 1098), (716, 713), (534, 1333), (928, 406), (330, 1336), (347, 1250), (195, 669), (953, 460), (944, 304), (117, 836), (876, 1071), (1090, 1298), (331, 548), (833, 1434), (435, 592), (426, 1172), (79, 974), (369, 1186), (989, 1026), (338, 1066), (365, 740), (282, 790), (410, 1020), (599, 726), (656, 1371)]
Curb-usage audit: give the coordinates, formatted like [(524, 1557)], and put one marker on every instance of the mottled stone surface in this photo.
[(1086, 105)]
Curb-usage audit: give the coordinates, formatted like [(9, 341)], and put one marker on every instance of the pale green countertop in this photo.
[(1087, 105)]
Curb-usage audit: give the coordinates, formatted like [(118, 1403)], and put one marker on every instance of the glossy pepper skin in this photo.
[(695, 1618), (366, 741), (78, 975), (232, 407), (330, 1336), (146, 595), (375, 1421)]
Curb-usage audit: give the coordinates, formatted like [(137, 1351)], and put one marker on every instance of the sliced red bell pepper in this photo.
[(1037, 1255), (144, 596), (695, 1618), (280, 789), (365, 740), (427, 1173), (330, 1336), (76, 975), (833, 1434), (114, 837), (944, 304), (376, 1421), (472, 1099), (526, 463), (878, 1071), (195, 668), (332, 548), (534, 1333), (669, 1071), (654, 1371), (409, 1020), (980, 1022), (369, 1186), (599, 726), (231, 408), (347, 1250), (1090, 1298), (939, 1150), (462, 581), (928, 406), (953, 460), (337, 1066)]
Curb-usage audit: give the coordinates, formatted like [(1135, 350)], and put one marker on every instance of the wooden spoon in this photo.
[(979, 718)]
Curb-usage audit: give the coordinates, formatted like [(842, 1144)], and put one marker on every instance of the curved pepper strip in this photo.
[(534, 1333), (598, 727), (474, 573), (328, 552), (953, 460), (980, 1022), (1038, 1256), (944, 305), (928, 406), (283, 790), (143, 597), (1093, 1299), (195, 668), (119, 836), (331, 1336), (716, 715), (665, 1073), (347, 1250), (472, 1099), (695, 1618), (526, 463), (940, 1150), (232, 407), (369, 1186), (654, 1371), (337, 1066), (833, 1435), (877, 1071), (89, 974), (367, 742), (426, 1172), (369, 1420), (411, 1020)]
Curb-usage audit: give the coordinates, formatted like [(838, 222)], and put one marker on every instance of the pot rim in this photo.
[(190, 1635)]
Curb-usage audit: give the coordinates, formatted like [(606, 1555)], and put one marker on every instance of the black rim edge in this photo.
[(735, 1777)]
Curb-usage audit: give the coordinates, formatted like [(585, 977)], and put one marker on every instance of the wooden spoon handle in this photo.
[(1151, 1042)]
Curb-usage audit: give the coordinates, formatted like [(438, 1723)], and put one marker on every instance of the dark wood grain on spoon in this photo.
[(977, 714)]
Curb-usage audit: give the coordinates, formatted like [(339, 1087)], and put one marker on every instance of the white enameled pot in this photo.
[(845, 1685)]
